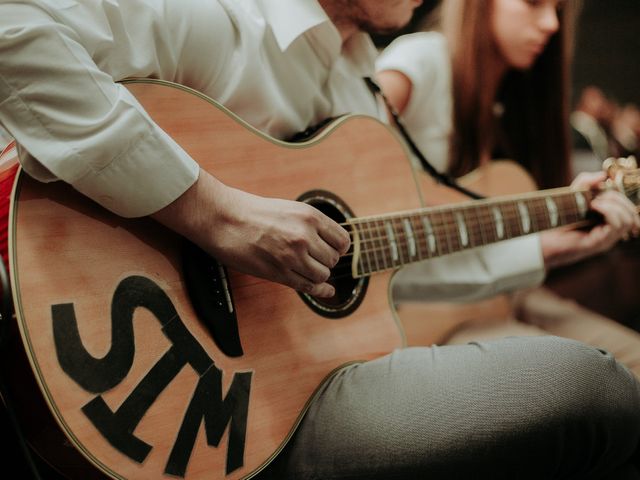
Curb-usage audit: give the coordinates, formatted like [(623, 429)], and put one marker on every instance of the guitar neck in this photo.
[(390, 241)]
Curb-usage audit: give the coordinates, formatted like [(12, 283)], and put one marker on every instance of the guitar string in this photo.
[(398, 263), (347, 265), (512, 216), (479, 212), (446, 210), (488, 205), (440, 228)]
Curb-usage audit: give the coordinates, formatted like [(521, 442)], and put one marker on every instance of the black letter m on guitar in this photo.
[(99, 375)]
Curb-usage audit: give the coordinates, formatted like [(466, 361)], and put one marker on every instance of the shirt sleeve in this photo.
[(76, 123), (474, 274), (423, 58)]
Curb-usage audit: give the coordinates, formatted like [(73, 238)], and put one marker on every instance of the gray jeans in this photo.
[(516, 408)]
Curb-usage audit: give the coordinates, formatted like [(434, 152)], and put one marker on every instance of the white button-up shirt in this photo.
[(278, 64)]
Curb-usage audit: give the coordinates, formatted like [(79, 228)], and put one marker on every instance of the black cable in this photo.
[(429, 168)]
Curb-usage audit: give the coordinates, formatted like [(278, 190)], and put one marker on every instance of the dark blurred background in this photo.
[(608, 48)]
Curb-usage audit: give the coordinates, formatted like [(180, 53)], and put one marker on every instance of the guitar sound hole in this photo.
[(349, 291)]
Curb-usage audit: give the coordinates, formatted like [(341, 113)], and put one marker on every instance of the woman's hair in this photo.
[(534, 128)]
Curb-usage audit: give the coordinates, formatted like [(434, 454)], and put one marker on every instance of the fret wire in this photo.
[(369, 262), (561, 214), (574, 203), (546, 213), (383, 241), (561, 209), (541, 213), (377, 262), (481, 214), (410, 239), (494, 230), (408, 258), (523, 205), (453, 236), (479, 218), (484, 238), (440, 229), (415, 239), (380, 229), (456, 236), (364, 254), (397, 234), (533, 218), (538, 212), (417, 228), (510, 224), (380, 260), (459, 232), (374, 239), (391, 240), (530, 205), (473, 232), (425, 219)]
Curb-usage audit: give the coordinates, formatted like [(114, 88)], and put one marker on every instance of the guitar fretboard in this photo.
[(390, 241)]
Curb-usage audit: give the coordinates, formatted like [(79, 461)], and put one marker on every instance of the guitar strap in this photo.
[(439, 177)]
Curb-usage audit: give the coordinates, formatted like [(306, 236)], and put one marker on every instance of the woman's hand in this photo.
[(563, 247)]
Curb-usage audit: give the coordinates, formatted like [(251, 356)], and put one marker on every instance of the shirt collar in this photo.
[(289, 19), (311, 18)]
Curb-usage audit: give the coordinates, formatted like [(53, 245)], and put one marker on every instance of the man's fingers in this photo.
[(304, 285), (311, 269), (324, 253), (334, 235), (323, 290)]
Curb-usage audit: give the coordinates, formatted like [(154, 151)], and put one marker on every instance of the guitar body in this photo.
[(428, 323), (130, 373)]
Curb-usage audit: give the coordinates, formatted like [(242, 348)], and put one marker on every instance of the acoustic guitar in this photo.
[(157, 362)]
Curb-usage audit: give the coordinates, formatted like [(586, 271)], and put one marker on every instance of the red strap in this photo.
[(11, 145), (7, 178)]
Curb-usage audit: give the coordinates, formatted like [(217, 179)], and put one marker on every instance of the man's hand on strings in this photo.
[(283, 241)]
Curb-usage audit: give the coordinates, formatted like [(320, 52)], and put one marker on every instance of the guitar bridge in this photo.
[(209, 291)]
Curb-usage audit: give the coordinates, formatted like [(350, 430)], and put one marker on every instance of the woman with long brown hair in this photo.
[(506, 89), (493, 82)]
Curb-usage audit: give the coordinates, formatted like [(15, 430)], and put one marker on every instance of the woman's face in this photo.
[(522, 28)]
